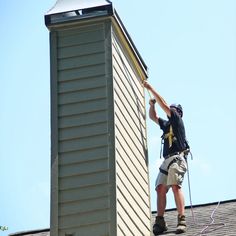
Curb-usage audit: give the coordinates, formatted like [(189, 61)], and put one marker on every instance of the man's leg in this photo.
[(175, 179), (160, 225), (179, 200), (161, 199)]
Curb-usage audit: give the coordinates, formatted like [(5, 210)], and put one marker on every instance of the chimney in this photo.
[(99, 162)]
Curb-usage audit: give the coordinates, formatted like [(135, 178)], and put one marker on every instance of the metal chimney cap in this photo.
[(75, 9)]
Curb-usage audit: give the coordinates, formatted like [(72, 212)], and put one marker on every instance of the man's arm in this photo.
[(160, 100), (152, 112)]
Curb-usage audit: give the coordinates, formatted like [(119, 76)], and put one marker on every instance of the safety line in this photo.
[(220, 225), (205, 226)]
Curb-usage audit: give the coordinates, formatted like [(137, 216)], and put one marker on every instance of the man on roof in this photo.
[(174, 166)]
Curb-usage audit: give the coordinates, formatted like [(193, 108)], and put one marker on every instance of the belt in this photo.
[(163, 171), (173, 154)]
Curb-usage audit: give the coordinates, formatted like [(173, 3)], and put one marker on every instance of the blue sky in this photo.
[(190, 50)]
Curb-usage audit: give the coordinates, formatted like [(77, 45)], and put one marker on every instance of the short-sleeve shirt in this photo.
[(177, 142)]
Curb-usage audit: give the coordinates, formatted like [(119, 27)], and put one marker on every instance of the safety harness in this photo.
[(171, 138)]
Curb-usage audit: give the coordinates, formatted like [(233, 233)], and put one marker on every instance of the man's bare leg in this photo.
[(161, 199), (179, 199), (160, 224)]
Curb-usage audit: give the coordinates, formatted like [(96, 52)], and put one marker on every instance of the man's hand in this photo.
[(152, 112), (146, 85), (152, 102)]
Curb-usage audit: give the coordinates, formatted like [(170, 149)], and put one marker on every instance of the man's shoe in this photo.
[(181, 226), (160, 225)]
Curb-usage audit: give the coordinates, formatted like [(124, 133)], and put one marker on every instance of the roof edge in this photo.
[(201, 205), (30, 232)]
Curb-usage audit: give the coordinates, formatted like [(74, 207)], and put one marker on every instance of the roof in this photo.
[(39, 232), (222, 214)]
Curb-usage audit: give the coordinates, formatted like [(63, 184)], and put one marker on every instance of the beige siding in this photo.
[(133, 203), (83, 160)]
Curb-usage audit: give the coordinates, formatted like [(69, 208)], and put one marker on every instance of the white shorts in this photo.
[(175, 167)]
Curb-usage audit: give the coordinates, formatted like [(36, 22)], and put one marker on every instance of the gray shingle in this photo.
[(225, 214)]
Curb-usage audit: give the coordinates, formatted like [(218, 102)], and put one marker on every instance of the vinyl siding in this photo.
[(133, 203), (83, 140)]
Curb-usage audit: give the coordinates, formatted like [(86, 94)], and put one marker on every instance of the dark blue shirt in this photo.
[(177, 142)]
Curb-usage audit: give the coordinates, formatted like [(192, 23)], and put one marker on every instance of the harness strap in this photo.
[(170, 136), (172, 162), (162, 142), (163, 171)]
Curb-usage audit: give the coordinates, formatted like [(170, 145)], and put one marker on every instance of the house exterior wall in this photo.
[(99, 166)]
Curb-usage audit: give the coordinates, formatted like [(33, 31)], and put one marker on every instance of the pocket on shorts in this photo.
[(179, 165), (177, 171), (182, 165)]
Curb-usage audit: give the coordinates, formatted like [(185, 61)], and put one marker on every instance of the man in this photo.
[(174, 165)]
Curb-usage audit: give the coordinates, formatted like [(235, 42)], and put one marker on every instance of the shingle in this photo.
[(224, 215)]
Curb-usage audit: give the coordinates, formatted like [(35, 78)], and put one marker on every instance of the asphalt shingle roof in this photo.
[(224, 214)]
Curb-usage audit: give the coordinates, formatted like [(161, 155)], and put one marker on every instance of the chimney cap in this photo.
[(66, 10)]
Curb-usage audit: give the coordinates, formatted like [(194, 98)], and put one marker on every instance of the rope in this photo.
[(204, 231), (220, 225), (190, 193)]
